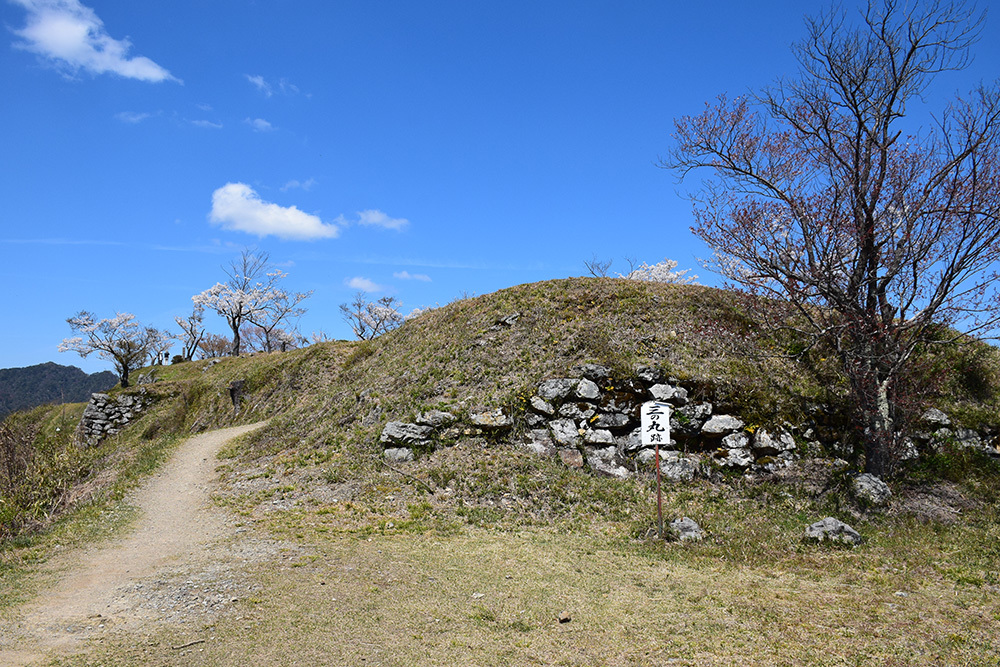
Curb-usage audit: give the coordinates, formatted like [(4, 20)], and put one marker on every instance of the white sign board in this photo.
[(655, 423)]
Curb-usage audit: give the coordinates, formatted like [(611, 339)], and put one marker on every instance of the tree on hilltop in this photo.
[(251, 295), (370, 319), (119, 339), (819, 193)]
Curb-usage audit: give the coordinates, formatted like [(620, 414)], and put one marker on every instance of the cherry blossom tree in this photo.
[(821, 191), (369, 319), (192, 331), (119, 339), (251, 294), (661, 272), (277, 320), (159, 344)]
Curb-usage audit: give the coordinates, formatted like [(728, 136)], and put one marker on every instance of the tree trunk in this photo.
[(880, 434)]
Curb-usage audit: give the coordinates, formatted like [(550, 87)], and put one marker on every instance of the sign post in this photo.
[(656, 429)]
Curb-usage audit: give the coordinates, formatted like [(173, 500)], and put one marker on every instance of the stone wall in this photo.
[(592, 420), (105, 416)]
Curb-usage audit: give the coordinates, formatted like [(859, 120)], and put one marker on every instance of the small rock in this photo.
[(764, 444), (587, 390), (565, 432), (556, 390), (678, 470), (493, 420), (735, 458), (613, 420), (649, 375), (669, 393), (571, 458), (398, 454), (872, 490), (598, 437), (577, 410), (593, 372), (720, 425), (403, 433), (686, 529), (833, 530), (934, 417), (435, 418), (565, 617), (540, 405)]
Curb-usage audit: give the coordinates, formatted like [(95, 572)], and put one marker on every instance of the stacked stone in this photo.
[(937, 430), (105, 416), (594, 421)]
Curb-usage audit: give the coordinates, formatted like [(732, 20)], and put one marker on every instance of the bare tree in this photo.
[(598, 267), (815, 195), (369, 319), (214, 345), (120, 339)]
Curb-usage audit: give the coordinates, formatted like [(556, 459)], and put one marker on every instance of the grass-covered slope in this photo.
[(478, 546), (328, 402)]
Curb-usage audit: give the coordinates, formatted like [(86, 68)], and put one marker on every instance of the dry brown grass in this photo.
[(485, 598)]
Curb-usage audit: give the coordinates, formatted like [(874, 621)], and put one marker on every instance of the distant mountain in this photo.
[(23, 388)]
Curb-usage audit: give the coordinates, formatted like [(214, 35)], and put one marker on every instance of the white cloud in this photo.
[(204, 107), (259, 124), (261, 84), (72, 37), (363, 284), (237, 207), (207, 124), (406, 275), (132, 117), (266, 88), (293, 184), (377, 218)]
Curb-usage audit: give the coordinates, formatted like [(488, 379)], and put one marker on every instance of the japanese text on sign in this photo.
[(655, 423)]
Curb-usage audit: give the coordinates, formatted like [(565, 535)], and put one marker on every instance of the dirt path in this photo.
[(177, 523)]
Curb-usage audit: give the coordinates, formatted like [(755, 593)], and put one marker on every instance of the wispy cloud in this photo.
[(376, 218), (207, 124), (204, 107), (259, 124), (267, 89), (238, 207), (132, 117), (72, 37), (294, 184), (406, 275), (260, 84), (363, 284)]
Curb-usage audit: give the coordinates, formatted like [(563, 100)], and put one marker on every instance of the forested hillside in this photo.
[(23, 388)]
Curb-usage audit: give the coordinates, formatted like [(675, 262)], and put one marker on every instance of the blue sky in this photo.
[(422, 150)]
